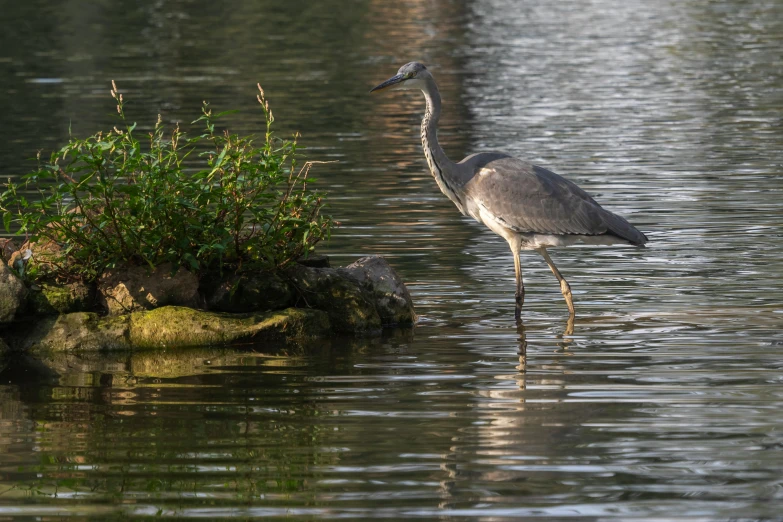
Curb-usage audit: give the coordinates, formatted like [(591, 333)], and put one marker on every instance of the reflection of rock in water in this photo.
[(114, 408), (22, 370)]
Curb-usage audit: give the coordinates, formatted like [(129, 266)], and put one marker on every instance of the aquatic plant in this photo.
[(213, 201)]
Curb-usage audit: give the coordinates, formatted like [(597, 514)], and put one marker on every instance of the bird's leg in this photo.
[(564, 286), (520, 293), (569, 329)]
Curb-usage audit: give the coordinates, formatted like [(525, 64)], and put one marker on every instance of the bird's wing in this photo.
[(527, 198)]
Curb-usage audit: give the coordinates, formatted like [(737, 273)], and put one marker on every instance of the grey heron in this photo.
[(529, 206)]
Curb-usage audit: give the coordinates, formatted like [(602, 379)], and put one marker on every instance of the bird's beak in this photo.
[(394, 80)]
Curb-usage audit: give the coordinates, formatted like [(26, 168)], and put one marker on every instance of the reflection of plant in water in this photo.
[(242, 474), (177, 437)]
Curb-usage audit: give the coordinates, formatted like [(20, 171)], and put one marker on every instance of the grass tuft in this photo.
[(213, 201)]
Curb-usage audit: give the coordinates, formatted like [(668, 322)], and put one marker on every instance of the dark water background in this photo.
[(666, 401)]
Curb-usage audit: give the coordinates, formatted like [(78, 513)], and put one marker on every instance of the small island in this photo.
[(170, 241)]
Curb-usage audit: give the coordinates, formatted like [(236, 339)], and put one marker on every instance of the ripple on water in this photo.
[(663, 400)]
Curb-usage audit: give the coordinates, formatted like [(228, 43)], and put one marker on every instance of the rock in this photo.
[(166, 327), (47, 299), (175, 326), (315, 261), (137, 288), (68, 332), (350, 307), (12, 294), (390, 296), (359, 298), (247, 293), (7, 249)]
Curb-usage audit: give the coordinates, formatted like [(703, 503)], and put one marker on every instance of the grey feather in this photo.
[(531, 199)]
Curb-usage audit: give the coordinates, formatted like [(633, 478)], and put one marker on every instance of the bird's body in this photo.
[(544, 209), (529, 206)]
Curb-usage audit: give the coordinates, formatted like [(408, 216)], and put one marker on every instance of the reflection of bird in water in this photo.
[(504, 424), (522, 352), (564, 342), (528, 206)]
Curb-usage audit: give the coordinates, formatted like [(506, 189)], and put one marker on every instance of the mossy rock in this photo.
[(165, 327), (48, 299), (176, 326), (69, 332)]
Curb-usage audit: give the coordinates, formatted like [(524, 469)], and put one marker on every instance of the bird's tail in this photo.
[(621, 228)]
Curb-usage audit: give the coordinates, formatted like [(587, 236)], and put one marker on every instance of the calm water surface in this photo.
[(664, 403)]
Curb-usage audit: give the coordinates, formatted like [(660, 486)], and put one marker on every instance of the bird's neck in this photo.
[(443, 169)]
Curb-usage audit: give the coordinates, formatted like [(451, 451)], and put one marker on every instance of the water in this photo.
[(663, 403)]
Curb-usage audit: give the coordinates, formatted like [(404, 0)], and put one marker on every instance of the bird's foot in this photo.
[(569, 329)]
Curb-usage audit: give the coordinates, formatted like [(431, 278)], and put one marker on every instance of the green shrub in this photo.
[(214, 201)]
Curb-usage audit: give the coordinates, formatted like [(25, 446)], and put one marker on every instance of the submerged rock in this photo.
[(166, 327), (390, 296), (46, 299), (137, 288), (12, 294)]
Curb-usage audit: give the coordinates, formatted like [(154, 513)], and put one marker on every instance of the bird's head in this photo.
[(412, 75)]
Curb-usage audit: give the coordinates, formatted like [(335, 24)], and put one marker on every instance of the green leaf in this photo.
[(219, 160), (146, 204), (192, 260), (220, 114)]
